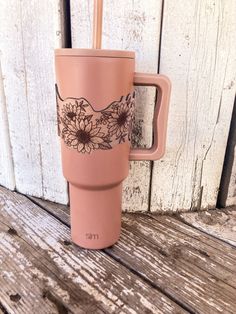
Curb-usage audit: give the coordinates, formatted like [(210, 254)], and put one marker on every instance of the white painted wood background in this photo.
[(30, 30), (196, 44), (6, 164), (198, 53)]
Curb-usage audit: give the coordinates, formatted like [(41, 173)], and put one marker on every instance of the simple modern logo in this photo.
[(92, 236)]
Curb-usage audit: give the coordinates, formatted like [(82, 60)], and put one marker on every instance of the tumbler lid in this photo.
[(77, 52)]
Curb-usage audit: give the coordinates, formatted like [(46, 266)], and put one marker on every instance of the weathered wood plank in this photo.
[(30, 30), (219, 223), (128, 25), (198, 54), (33, 284), (189, 250), (81, 281), (171, 254), (218, 251), (7, 178), (173, 228), (198, 290), (188, 230), (18, 273)]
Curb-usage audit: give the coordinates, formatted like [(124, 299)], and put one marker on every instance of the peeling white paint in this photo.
[(88, 269)]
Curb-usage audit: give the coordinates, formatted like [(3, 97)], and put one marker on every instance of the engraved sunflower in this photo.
[(120, 120), (71, 111), (84, 136), (84, 129)]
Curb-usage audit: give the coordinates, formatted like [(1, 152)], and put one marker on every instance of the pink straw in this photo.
[(97, 24)]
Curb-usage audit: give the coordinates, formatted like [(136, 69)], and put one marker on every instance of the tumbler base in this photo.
[(95, 216)]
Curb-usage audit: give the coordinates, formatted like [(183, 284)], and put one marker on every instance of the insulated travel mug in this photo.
[(95, 111)]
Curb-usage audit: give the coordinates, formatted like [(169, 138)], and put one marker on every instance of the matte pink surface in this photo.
[(96, 179), (97, 220)]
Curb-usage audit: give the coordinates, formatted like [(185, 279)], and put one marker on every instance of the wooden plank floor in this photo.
[(162, 264)]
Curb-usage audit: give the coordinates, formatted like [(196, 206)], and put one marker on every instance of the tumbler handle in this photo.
[(163, 85)]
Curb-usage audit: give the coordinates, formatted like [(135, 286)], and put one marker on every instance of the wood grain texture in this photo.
[(7, 177), (198, 54), (171, 254), (30, 30), (59, 275), (20, 268), (128, 25), (219, 223), (196, 288)]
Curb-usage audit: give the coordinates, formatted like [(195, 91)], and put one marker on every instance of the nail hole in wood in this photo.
[(67, 242), (204, 253), (12, 231), (15, 297)]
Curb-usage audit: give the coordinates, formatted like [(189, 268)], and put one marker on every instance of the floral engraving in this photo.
[(85, 129)]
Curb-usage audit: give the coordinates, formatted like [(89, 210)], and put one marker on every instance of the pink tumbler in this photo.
[(95, 106)]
